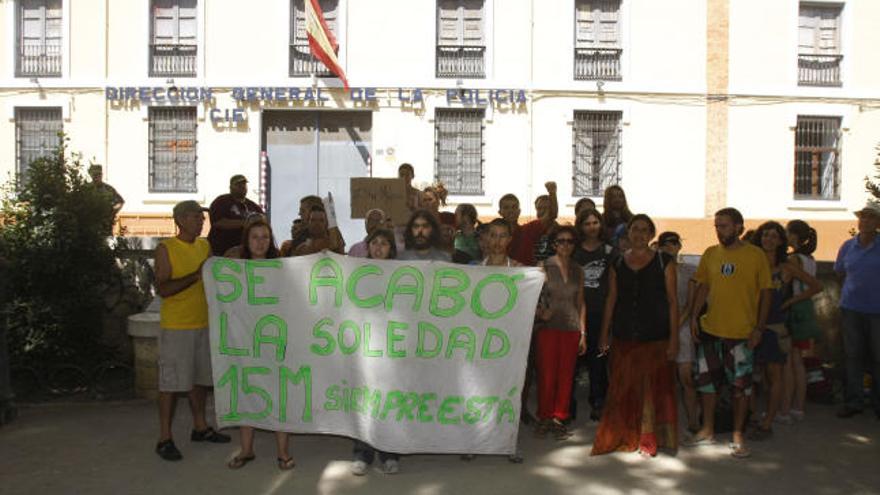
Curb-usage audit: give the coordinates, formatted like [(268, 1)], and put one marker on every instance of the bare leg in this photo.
[(167, 400), (774, 374), (800, 379), (689, 395), (787, 386), (708, 429), (740, 408), (247, 441), (197, 397), (282, 439)]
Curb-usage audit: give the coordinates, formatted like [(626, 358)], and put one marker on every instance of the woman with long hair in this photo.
[(616, 214), (594, 256), (562, 336), (802, 240), (380, 246), (258, 243), (774, 350), (640, 328)]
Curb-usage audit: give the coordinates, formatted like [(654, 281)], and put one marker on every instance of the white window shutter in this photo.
[(164, 22), (33, 23), (585, 27), (472, 22), (828, 32), (609, 24), (449, 23), (331, 13), (53, 19), (187, 29)]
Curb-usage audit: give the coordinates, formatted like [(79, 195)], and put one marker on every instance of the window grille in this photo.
[(817, 158), (36, 135), (596, 145), (458, 150), (173, 149)]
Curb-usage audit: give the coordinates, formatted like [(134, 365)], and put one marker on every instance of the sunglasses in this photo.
[(564, 241)]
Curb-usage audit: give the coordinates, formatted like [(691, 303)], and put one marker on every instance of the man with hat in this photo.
[(858, 262), (228, 215), (184, 349)]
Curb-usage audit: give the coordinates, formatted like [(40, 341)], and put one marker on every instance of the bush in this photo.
[(55, 241)]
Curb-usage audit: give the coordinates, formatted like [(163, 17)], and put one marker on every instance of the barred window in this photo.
[(458, 150), (819, 55), (817, 158), (173, 149), (174, 38), (461, 45), (36, 135), (597, 40), (302, 62), (39, 38), (596, 143)]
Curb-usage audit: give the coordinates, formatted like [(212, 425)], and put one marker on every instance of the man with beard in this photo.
[(734, 277), (228, 213), (422, 238)]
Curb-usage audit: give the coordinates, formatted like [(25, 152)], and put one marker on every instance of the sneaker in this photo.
[(168, 451), (797, 414), (209, 435), (359, 468), (391, 466), (783, 419)]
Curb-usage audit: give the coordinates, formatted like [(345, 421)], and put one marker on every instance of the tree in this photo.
[(55, 241), (873, 187)]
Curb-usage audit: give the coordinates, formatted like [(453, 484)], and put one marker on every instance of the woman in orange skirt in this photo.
[(641, 324)]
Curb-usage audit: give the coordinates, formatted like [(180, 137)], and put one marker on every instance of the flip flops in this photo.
[(239, 462), (739, 450), (286, 464)]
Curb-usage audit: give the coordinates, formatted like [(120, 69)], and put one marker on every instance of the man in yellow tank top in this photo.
[(184, 350)]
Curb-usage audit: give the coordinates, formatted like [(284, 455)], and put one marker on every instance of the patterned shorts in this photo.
[(724, 361)]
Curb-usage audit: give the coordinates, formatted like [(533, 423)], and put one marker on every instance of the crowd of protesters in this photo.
[(620, 309)]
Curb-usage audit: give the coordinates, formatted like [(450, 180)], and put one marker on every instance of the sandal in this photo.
[(543, 428), (739, 450), (560, 431), (286, 464), (696, 441), (239, 462)]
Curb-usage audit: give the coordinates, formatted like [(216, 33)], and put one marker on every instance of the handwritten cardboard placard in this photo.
[(407, 356), (389, 195)]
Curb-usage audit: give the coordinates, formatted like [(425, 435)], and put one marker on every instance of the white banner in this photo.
[(410, 357)]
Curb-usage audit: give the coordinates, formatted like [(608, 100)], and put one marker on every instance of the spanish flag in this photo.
[(321, 40)]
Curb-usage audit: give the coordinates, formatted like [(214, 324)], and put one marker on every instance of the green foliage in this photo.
[(55, 241)]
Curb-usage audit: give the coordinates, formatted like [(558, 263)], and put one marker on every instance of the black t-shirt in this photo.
[(595, 265), (227, 207)]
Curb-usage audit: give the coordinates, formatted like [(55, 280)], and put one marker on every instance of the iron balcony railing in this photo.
[(592, 64), (173, 60), (303, 63), (40, 60), (819, 70), (461, 61)]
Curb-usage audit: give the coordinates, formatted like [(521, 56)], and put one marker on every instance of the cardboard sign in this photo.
[(389, 195), (409, 357)]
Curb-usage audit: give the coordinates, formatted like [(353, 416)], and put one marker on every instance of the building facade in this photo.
[(690, 105)]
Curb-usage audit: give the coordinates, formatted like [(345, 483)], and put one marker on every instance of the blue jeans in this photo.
[(861, 339)]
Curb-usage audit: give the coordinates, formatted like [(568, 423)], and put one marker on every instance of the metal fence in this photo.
[(461, 61), (39, 59), (817, 158), (303, 63), (173, 60), (591, 64), (36, 135), (819, 70)]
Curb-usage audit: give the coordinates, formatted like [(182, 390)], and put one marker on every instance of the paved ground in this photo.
[(107, 448)]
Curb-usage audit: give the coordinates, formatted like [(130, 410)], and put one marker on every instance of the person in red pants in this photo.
[(562, 335)]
